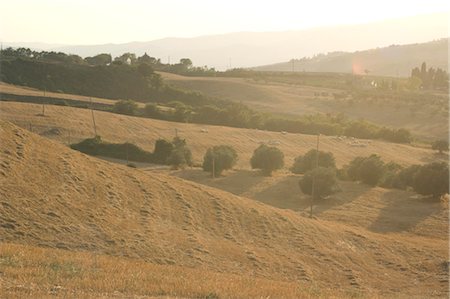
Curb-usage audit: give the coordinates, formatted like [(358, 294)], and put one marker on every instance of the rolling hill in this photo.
[(69, 125), (54, 197), (288, 94), (394, 61)]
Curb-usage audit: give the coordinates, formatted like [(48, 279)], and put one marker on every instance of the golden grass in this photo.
[(427, 121), (28, 91), (75, 124), (51, 196), (28, 271), (373, 208)]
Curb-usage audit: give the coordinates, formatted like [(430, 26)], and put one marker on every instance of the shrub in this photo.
[(307, 162), (127, 107), (88, 146), (125, 151), (224, 157), (324, 182), (432, 179), (267, 158), (440, 145)]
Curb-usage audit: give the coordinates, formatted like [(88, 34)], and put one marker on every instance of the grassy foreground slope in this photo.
[(54, 197), (67, 124)]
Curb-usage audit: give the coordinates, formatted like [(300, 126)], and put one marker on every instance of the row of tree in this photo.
[(431, 78), (318, 168), (320, 172), (133, 78), (239, 115)]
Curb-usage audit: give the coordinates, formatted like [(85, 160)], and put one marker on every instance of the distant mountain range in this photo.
[(394, 60), (250, 49)]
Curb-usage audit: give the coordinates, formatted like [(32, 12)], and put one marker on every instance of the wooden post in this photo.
[(314, 179), (214, 165), (93, 118)]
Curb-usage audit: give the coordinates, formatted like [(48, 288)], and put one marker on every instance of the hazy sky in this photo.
[(104, 21)]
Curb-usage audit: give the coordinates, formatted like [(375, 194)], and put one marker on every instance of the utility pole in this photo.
[(213, 164), (93, 118), (314, 178)]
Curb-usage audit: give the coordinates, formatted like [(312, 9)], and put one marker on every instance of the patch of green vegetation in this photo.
[(174, 153), (9, 261)]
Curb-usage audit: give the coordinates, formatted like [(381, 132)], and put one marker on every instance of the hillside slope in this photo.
[(54, 197), (277, 94), (67, 124), (395, 60)]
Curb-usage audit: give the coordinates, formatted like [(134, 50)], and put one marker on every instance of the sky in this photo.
[(113, 21)]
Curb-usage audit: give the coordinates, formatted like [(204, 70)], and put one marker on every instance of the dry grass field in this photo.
[(376, 209), (30, 271), (29, 91), (66, 124), (183, 239), (425, 120)]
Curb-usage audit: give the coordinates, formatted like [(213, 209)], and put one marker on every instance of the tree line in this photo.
[(320, 174), (430, 78), (134, 78)]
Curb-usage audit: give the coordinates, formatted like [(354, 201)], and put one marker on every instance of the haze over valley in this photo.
[(238, 150)]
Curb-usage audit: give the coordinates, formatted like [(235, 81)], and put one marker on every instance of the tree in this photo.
[(423, 71), (407, 176), (156, 81), (128, 107), (325, 182), (440, 145), (432, 179), (219, 158), (267, 158), (162, 151), (147, 59), (307, 162), (391, 178), (152, 110), (186, 62), (369, 170), (145, 69), (181, 155), (182, 112), (126, 58), (100, 59)]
